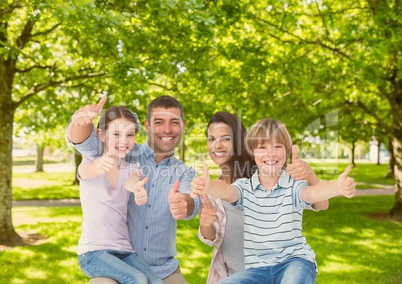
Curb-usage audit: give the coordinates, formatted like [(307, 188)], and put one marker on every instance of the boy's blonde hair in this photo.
[(269, 130)]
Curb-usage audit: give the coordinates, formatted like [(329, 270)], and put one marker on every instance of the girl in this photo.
[(104, 248), (221, 224)]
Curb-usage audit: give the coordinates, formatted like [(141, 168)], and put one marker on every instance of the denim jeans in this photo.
[(124, 267), (291, 271)]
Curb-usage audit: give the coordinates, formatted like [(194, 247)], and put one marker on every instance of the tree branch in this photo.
[(26, 34), (372, 113), (47, 31), (41, 87), (33, 67)]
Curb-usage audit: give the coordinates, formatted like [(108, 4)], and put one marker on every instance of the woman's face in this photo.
[(219, 141)]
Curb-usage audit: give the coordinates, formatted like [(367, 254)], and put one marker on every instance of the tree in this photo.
[(332, 53), (41, 48)]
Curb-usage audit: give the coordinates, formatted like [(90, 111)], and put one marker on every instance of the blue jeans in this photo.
[(291, 271), (124, 267)]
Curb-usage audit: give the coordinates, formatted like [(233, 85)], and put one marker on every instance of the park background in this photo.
[(330, 70)]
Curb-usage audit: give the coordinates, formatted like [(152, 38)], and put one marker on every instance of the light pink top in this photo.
[(104, 212)]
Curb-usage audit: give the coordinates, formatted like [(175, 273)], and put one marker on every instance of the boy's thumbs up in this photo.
[(345, 174), (346, 185), (295, 156)]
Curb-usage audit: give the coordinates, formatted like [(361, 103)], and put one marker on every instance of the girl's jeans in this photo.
[(124, 267), (291, 271)]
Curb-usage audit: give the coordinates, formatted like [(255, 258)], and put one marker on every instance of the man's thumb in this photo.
[(173, 190)]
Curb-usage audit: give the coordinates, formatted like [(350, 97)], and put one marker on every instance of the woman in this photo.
[(221, 224)]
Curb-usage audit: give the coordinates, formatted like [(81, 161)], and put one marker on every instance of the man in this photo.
[(152, 228)]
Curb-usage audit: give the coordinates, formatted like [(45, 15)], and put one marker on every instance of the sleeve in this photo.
[(92, 147), (297, 188), (134, 167), (238, 184)]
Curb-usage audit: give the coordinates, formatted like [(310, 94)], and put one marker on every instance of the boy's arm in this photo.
[(325, 190), (216, 188), (300, 170)]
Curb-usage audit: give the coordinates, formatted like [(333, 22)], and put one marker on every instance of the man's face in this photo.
[(164, 130)]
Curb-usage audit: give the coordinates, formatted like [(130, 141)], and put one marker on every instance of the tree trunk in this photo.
[(8, 236), (378, 152), (77, 162), (39, 158), (353, 154), (391, 164), (396, 210)]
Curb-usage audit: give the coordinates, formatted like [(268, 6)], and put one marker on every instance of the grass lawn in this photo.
[(58, 185), (350, 247)]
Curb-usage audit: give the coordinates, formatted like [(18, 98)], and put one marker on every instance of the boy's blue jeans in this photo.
[(291, 271), (124, 267)]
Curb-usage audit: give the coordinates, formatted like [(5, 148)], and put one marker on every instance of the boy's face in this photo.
[(164, 131), (270, 158)]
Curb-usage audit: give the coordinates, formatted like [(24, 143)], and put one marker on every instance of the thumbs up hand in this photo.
[(140, 194), (88, 113), (178, 202), (200, 184), (208, 214), (346, 185), (298, 169), (104, 164)]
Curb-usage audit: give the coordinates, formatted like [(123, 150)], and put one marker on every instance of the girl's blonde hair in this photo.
[(269, 130)]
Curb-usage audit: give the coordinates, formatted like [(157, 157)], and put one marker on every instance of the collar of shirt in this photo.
[(150, 154), (285, 181)]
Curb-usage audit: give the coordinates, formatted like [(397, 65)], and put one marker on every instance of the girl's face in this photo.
[(119, 137), (219, 142), (270, 158)]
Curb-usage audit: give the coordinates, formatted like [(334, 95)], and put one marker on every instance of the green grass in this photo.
[(350, 247), (58, 185), (44, 185), (366, 175)]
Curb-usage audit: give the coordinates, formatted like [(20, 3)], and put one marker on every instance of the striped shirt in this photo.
[(152, 228), (272, 221)]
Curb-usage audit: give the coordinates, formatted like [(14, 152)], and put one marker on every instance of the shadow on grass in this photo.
[(352, 248)]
